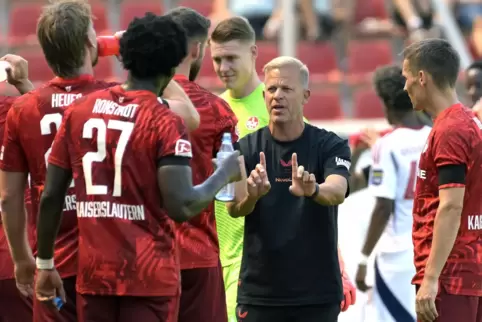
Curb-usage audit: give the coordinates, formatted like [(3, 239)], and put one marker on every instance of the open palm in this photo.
[(303, 183)]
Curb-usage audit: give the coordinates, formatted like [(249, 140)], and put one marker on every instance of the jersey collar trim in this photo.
[(62, 81)]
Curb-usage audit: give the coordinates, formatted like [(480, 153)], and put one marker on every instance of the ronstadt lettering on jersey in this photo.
[(108, 107), (106, 209), (475, 222), (63, 100), (345, 163)]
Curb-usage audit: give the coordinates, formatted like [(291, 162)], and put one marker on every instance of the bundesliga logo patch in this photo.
[(377, 177), (183, 148)]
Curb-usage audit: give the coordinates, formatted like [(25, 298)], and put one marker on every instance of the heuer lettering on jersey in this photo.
[(422, 174), (108, 107), (342, 162), (106, 209), (63, 100), (475, 222)]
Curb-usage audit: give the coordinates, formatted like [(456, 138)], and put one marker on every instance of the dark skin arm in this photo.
[(186, 201), (14, 217), (51, 206)]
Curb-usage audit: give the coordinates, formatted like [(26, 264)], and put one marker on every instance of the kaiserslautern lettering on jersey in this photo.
[(393, 176)]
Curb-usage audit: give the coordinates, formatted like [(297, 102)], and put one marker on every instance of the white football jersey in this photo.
[(393, 176)]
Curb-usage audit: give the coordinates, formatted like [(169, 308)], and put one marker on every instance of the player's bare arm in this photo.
[(249, 189), (446, 227), (18, 73), (51, 206), (181, 105), (182, 200), (332, 191), (14, 217)]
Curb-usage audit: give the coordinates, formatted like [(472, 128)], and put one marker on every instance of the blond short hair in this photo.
[(288, 61)]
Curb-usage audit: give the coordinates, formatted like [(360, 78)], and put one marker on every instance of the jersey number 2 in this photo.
[(126, 129), (45, 129), (410, 190)]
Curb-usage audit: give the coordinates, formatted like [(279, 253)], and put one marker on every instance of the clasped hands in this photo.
[(303, 183)]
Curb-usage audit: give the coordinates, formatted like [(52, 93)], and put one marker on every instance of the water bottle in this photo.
[(227, 192)]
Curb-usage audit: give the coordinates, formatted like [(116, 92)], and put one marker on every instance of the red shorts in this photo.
[(68, 313), (13, 306), (202, 295), (455, 308), (97, 308)]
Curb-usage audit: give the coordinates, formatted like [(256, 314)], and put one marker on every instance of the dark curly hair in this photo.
[(389, 83), (153, 46)]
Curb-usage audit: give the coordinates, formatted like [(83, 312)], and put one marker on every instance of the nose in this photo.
[(278, 94), (224, 66), (405, 86)]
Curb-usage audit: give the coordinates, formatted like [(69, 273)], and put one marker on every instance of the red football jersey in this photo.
[(198, 238), (456, 138), (113, 140), (31, 125)]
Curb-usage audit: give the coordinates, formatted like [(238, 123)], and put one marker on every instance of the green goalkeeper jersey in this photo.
[(252, 115)]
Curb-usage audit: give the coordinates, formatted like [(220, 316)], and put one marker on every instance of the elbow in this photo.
[(338, 199), (451, 208), (231, 207)]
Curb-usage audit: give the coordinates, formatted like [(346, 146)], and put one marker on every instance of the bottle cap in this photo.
[(3, 70), (227, 136), (58, 303)]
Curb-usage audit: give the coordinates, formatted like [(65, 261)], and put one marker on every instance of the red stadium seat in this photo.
[(38, 69), (370, 9), (266, 52), (367, 105), (101, 23), (364, 56), (23, 22), (203, 7), (323, 105), (104, 69), (132, 9), (319, 57)]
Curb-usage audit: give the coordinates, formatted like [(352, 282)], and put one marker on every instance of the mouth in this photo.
[(277, 107)]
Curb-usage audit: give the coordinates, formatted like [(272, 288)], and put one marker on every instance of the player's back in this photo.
[(115, 139), (402, 147), (32, 126), (198, 237)]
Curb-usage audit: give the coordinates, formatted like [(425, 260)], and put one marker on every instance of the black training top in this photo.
[(290, 252)]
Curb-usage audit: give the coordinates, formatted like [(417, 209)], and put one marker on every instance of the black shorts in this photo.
[(312, 313)]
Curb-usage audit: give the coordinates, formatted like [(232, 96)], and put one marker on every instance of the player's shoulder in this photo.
[(326, 140), (26, 101), (102, 84)]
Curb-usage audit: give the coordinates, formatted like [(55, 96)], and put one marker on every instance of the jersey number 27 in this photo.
[(99, 156)]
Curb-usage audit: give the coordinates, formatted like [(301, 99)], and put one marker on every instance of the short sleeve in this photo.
[(12, 156), (383, 174), (225, 123), (59, 156), (451, 147), (337, 158), (173, 140)]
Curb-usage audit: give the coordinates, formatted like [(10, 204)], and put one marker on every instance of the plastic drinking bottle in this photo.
[(227, 192)]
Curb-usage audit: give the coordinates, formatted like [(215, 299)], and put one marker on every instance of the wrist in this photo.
[(315, 192), (23, 86), (45, 264), (363, 260)]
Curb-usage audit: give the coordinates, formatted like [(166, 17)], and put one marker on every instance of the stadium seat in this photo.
[(266, 52), (23, 22), (203, 7), (319, 57), (370, 9), (39, 70), (323, 105), (132, 9), (101, 23), (103, 70), (367, 105), (364, 56)]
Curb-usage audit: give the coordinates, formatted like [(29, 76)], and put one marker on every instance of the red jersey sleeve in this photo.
[(59, 156), (173, 139), (225, 122), (12, 156)]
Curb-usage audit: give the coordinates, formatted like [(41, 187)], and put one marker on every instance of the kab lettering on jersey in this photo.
[(475, 222), (64, 100), (342, 162), (183, 148), (108, 107), (106, 209)]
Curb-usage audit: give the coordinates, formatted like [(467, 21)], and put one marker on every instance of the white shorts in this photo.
[(393, 292)]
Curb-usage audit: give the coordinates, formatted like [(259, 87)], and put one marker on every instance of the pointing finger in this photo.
[(294, 163), (262, 159)]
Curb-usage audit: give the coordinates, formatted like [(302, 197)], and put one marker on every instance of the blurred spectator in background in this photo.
[(466, 12), (417, 18), (265, 16), (473, 85)]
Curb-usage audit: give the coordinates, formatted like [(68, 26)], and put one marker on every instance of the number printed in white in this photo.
[(45, 129), (99, 156)]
